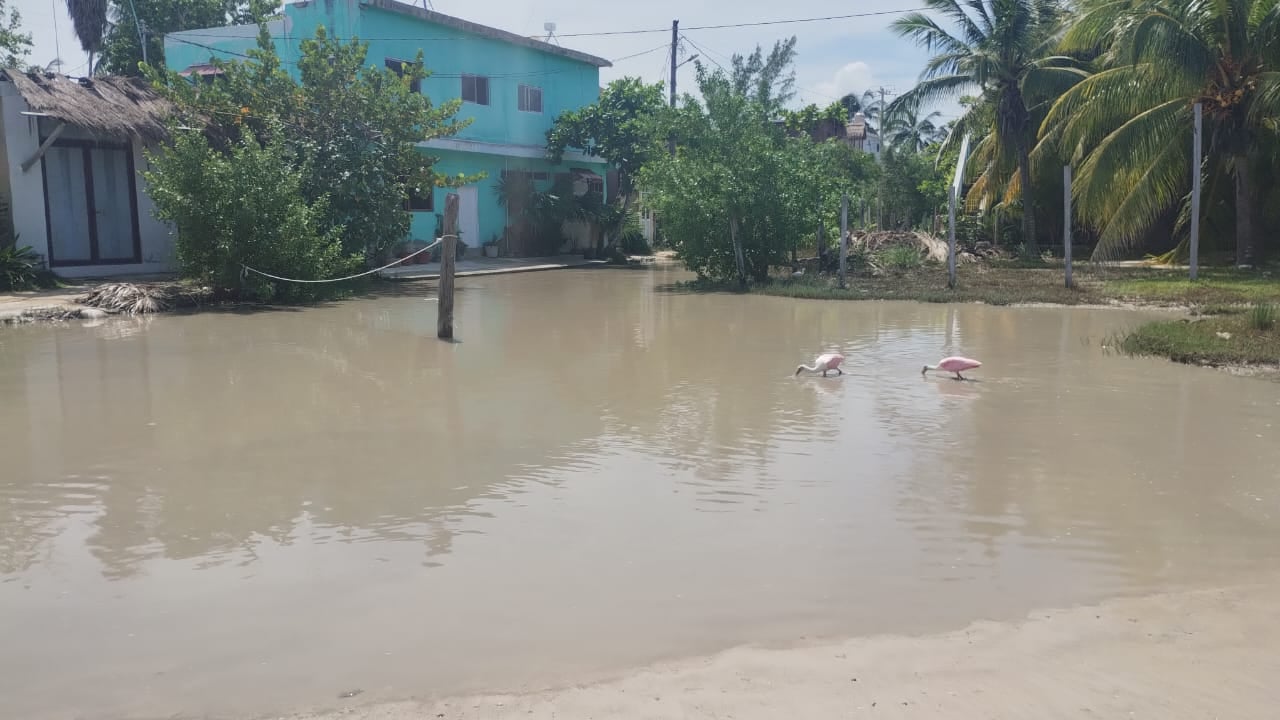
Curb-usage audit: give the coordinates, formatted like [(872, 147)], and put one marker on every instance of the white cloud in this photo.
[(853, 77)]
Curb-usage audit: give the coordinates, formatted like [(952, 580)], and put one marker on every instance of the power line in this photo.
[(610, 33)]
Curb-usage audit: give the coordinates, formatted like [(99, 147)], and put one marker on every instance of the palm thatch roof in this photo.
[(110, 106)]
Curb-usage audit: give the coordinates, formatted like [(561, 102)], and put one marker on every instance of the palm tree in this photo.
[(906, 128), (90, 20), (1001, 49), (1130, 123)]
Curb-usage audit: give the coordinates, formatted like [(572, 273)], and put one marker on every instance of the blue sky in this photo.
[(834, 56)]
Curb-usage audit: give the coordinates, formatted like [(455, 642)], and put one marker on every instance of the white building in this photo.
[(70, 169)]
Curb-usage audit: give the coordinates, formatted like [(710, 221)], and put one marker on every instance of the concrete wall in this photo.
[(26, 196)]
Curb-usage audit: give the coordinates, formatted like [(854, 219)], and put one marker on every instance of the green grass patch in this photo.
[(1217, 340), (900, 258), (1215, 286)]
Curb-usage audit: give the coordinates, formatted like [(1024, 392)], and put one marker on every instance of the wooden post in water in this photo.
[(1195, 195), (951, 237), (448, 255), (844, 236), (1066, 221)]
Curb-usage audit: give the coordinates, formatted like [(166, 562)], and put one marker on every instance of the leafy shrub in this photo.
[(245, 206), (631, 237), (19, 268)]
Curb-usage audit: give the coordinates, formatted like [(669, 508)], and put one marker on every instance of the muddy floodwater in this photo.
[(239, 514)]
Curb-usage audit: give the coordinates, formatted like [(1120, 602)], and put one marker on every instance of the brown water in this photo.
[(230, 514)]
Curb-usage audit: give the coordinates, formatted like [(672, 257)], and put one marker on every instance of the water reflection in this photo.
[(635, 470)]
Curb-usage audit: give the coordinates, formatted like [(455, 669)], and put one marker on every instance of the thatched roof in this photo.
[(111, 106)]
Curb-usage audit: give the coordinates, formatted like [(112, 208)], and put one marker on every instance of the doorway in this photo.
[(469, 216), (90, 204)]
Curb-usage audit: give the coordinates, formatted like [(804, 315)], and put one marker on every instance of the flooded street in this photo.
[(247, 513)]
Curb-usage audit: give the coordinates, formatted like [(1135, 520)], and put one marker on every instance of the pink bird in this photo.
[(824, 363), (954, 364)]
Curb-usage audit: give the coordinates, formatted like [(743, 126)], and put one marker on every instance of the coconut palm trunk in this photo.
[(1246, 238), (1028, 200)]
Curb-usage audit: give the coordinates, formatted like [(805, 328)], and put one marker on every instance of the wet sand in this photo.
[(1195, 654)]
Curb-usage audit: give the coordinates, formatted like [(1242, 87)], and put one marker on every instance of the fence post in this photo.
[(1195, 195), (951, 237), (448, 252), (1066, 221), (844, 236)]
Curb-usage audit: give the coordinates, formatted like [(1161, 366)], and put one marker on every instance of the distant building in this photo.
[(859, 133)]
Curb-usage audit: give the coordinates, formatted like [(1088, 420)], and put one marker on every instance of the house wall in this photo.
[(26, 195), (492, 214), (500, 135)]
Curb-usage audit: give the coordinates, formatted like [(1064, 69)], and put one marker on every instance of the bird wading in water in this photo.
[(824, 364), (954, 364)]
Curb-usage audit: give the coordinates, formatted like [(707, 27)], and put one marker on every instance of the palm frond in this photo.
[(1129, 178)]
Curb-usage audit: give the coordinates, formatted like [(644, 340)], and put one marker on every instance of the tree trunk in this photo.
[(738, 257), (1246, 236), (1028, 203)]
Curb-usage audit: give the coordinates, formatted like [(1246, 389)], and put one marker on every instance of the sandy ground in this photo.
[(1206, 654)]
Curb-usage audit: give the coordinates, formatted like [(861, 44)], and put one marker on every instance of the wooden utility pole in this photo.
[(844, 236), (448, 253), (951, 237), (1195, 194), (1066, 221), (675, 43)]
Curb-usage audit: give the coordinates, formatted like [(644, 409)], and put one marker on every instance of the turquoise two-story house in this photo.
[(511, 86)]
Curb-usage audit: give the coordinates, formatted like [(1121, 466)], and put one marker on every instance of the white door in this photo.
[(469, 216), (89, 198)]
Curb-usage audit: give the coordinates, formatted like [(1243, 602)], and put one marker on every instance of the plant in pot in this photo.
[(491, 247)]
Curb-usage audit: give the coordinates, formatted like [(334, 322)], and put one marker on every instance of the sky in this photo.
[(833, 56)]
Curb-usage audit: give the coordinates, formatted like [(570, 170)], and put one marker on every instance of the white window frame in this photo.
[(524, 97)]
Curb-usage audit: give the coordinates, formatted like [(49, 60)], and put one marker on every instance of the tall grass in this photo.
[(1263, 316), (900, 257)]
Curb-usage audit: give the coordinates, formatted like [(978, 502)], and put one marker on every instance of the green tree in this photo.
[(245, 205), (768, 81), (122, 51), (351, 129), (1001, 48), (739, 194), (1131, 121), (15, 45), (621, 127), (89, 18)]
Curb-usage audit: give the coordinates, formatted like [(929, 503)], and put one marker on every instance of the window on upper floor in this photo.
[(475, 89), (420, 200), (402, 68), (530, 99)]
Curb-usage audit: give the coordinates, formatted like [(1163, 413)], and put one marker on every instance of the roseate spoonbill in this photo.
[(954, 364), (824, 363)]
